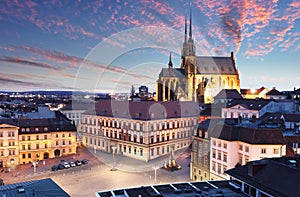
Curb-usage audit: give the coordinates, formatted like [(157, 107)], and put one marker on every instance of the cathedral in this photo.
[(199, 78)]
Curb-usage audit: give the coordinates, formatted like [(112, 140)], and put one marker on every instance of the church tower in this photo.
[(188, 48)]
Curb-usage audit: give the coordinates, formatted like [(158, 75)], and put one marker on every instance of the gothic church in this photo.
[(199, 78)]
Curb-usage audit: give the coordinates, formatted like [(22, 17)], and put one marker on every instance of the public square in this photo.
[(98, 175)]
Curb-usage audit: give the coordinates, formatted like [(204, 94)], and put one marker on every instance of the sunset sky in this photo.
[(107, 46)]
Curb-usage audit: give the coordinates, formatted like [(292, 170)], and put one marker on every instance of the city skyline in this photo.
[(60, 46)]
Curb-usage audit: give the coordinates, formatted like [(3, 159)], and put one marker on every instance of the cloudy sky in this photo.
[(107, 46)]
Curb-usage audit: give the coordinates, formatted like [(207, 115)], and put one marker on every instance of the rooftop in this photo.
[(41, 188), (192, 189), (144, 110), (260, 174)]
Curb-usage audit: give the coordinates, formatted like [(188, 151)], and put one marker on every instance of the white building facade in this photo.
[(143, 131), (238, 145)]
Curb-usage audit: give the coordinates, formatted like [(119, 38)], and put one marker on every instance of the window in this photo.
[(29, 155), (70, 134), (152, 151), (214, 142), (70, 142), (275, 151), (241, 147), (246, 159), (224, 169), (63, 135), (213, 153), (45, 137), (219, 155), (70, 150), (23, 146), (141, 152), (199, 171), (56, 143), (157, 152), (134, 151), (46, 145), (124, 149), (219, 144), (23, 156), (23, 138), (225, 145), (213, 166), (56, 135), (240, 159), (28, 138), (225, 157), (29, 146), (37, 146), (263, 151), (219, 169), (36, 129), (129, 149), (247, 149), (37, 137), (46, 129)]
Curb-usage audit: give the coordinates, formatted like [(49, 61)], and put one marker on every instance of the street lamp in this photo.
[(12, 162), (113, 149), (155, 168), (34, 167)]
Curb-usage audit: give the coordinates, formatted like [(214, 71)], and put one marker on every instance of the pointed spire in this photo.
[(190, 22), (170, 61), (185, 30)]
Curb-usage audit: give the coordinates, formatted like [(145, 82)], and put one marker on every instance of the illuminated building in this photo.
[(9, 149), (199, 78), (139, 130)]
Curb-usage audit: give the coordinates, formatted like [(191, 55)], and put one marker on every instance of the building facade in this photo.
[(32, 140), (9, 145), (199, 78), (139, 130), (200, 155), (233, 145)]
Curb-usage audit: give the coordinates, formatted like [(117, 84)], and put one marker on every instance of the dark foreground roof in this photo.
[(274, 176), (144, 110), (211, 188), (40, 188)]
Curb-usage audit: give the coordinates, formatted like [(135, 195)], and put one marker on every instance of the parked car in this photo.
[(72, 164), (54, 168), (78, 163), (66, 165), (60, 166), (84, 161)]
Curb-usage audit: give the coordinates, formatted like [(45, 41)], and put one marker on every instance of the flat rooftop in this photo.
[(187, 189)]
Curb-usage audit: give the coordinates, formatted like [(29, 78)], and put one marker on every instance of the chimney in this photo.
[(255, 166), (231, 55)]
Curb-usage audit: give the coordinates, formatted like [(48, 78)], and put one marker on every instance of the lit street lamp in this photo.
[(34, 167), (114, 163), (155, 168)]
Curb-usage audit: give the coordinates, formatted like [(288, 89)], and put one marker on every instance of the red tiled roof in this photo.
[(144, 110)]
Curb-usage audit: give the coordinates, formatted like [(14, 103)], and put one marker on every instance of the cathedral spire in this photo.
[(170, 61), (190, 23), (185, 31)]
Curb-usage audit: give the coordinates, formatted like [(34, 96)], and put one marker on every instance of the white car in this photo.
[(66, 165), (72, 164)]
